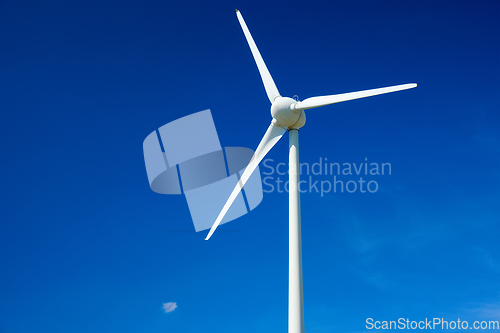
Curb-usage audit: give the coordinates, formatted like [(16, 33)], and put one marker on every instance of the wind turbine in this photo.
[(288, 114)]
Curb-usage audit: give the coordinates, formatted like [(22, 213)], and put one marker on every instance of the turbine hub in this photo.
[(285, 115)]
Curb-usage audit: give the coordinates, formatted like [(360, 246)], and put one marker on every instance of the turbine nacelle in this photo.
[(283, 111)]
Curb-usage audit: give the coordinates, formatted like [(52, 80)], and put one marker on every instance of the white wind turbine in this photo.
[(288, 114)]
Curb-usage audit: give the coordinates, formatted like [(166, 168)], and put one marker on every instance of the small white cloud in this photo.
[(169, 307)]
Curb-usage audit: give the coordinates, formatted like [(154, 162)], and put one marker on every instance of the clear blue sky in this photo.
[(86, 246)]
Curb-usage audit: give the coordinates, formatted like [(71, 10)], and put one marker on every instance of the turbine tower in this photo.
[(289, 115)]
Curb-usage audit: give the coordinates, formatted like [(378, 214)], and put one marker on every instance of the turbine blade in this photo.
[(273, 134), (271, 90), (315, 102)]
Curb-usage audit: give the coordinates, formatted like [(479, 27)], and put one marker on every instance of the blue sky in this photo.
[(86, 246)]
